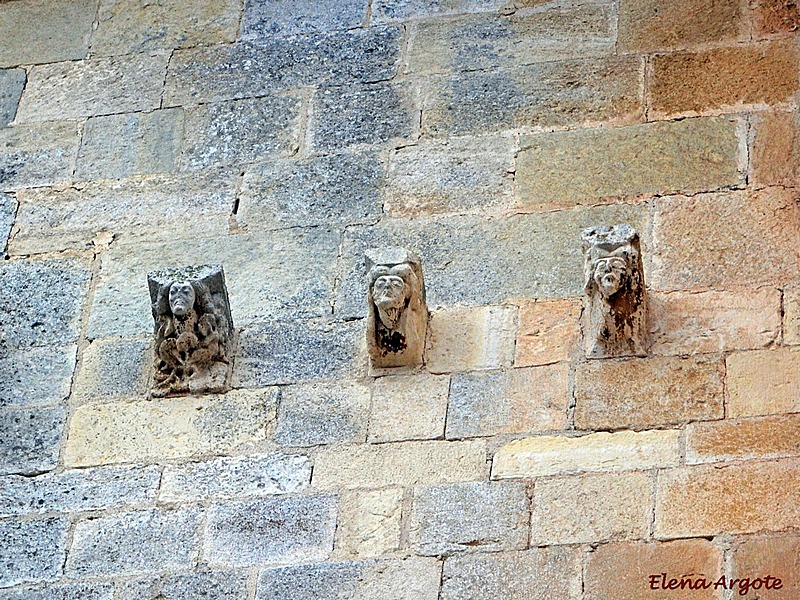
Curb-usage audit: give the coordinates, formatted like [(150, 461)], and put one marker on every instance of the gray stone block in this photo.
[(196, 585), (38, 154), (464, 517), (32, 551), (12, 82), (247, 70), (135, 542), (31, 440), (83, 489), (8, 211), (264, 19), (76, 591), (401, 10), (39, 376), (271, 531), (114, 368)]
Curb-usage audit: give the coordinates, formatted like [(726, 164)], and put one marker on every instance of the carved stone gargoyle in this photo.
[(398, 315), (193, 330), (615, 306)]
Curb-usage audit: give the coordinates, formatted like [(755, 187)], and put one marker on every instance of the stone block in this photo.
[(245, 70), (129, 27), (739, 498), (8, 212), (514, 401), (548, 332), (369, 523), (775, 148), (37, 31), (402, 10), (775, 16), (37, 154), (271, 531), (756, 557), (406, 464), (554, 455), (724, 78), (143, 541), (462, 175), (74, 591), (763, 382), (12, 82), (791, 316), (692, 155), (408, 407), (745, 439), (31, 439), (32, 551), (535, 574), (591, 508), (168, 428), (465, 517), (265, 19), (114, 368), (463, 339), (195, 585), (640, 393), (97, 86), (39, 376), (341, 189)]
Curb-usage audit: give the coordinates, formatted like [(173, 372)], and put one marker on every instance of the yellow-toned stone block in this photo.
[(369, 523)]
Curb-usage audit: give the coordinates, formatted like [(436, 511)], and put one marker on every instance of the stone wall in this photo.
[(281, 138)]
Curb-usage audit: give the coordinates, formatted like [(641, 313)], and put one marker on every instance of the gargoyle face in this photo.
[(181, 298), (610, 275), (389, 293)]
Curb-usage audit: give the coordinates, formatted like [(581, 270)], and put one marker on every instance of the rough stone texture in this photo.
[(775, 148), (406, 464), (690, 156), (168, 428), (135, 542), (763, 382), (98, 86), (32, 551), (117, 146), (776, 556), (77, 591), (369, 523), (776, 16), (271, 531), (408, 407), (197, 585), (642, 393), (127, 27), (401, 579), (465, 517), (554, 455), (38, 154), (401, 10), (8, 212), (78, 490), (264, 19), (462, 175), (770, 437), (548, 332), (39, 376), (724, 77), (541, 95), (514, 401), (621, 571), (791, 316), (313, 414), (232, 477), (31, 439), (114, 368), (245, 70), (12, 81), (739, 498), (37, 31), (462, 339), (535, 574)]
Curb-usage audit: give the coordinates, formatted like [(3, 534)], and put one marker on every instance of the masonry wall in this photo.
[(281, 139)]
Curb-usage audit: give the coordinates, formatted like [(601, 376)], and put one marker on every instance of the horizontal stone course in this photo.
[(400, 10), (31, 439), (37, 154), (32, 551), (75, 591), (763, 382), (194, 585), (264, 19), (743, 439), (12, 82), (39, 376)]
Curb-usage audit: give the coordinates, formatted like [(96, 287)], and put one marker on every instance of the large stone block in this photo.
[(775, 148), (548, 332), (744, 439), (408, 407), (195, 585), (37, 154), (32, 551), (73, 591), (114, 368), (8, 212), (402, 10), (12, 81), (31, 439), (756, 557), (369, 523), (264, 19), (763, 382), (39, 376)]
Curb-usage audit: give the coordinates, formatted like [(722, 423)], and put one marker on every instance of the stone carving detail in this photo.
[(615, 307), (398, 315), (193, 330)]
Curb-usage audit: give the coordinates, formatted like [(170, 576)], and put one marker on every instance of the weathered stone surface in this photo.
[(401, 10), (117, 146), (8, 212), (642, 393), (341, 189), (726, 239), (728, 440), (740, 498), (12, 81), (554, 455), (77, 490), (464, 517), (97, 86), (271, 531), (32, 551), (775, 148), (114, 368), (195, 585), (779, 556), (37, 31), (76, 591), (232, 477), (369, 523), (169, 428), (245, 70), (264, 19), (36, 376), (296, 351), (462, 175), (313, 414), (763, 382), (541, 95), (548, 332), (408, 407), (38, 154), (31, 439), (402, 579), (463, 339), (591, 508), (776, 16), (791, 316), (691, 155), (141, 541), (535, 574), (694, 82), (128, 27), (406, 464), (514, 401)]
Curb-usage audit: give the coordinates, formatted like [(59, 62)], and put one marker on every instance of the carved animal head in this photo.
[(181, 298), (391, 290)]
